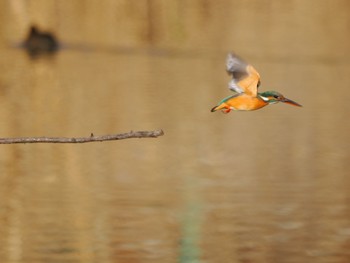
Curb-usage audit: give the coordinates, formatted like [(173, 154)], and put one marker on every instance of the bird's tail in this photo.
[(218, 107)]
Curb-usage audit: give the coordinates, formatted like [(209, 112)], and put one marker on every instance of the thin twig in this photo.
[(91, 138)]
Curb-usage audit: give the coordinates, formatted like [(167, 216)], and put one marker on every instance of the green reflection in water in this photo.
[(189, 243)]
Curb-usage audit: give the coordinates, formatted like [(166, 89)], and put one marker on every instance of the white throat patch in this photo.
[(264, 98)]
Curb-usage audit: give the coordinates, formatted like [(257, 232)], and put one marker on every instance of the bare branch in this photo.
[(91, 138)]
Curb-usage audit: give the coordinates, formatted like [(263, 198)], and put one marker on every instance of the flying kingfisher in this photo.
[(245, 82)]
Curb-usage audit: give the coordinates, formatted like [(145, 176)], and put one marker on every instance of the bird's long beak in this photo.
[(288, 101)]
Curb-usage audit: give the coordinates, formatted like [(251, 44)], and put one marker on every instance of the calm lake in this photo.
[(264, 186)]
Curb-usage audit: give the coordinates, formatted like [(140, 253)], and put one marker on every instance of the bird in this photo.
[(245, 83), (38, 42)]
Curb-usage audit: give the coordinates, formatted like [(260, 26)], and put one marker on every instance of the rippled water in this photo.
[(264, 186)]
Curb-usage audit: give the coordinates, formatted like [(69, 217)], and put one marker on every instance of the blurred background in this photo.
[(262, 186)]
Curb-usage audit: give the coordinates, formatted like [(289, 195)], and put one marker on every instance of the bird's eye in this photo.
[(275, 96)]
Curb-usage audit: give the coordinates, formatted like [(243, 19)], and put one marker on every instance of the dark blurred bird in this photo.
[(38, 42), (245, 82)]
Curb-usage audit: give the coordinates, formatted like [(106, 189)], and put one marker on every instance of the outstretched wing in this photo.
[(244, 76)]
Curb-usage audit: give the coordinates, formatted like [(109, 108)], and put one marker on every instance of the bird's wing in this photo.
[(244, 76)]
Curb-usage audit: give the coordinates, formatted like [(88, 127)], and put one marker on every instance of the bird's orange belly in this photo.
[(245, 102)]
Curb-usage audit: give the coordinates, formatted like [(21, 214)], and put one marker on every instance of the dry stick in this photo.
[(91, 138)]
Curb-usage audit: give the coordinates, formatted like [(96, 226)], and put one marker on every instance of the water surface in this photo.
[(264, 186)]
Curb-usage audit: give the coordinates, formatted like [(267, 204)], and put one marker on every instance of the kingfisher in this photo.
[(245, 83)]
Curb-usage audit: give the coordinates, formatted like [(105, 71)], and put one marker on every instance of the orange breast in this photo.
[(245, 102)]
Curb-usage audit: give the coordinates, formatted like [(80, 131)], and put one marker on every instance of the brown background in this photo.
[(264, 186)]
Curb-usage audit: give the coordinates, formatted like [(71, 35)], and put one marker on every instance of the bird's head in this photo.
[(272, 97)]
